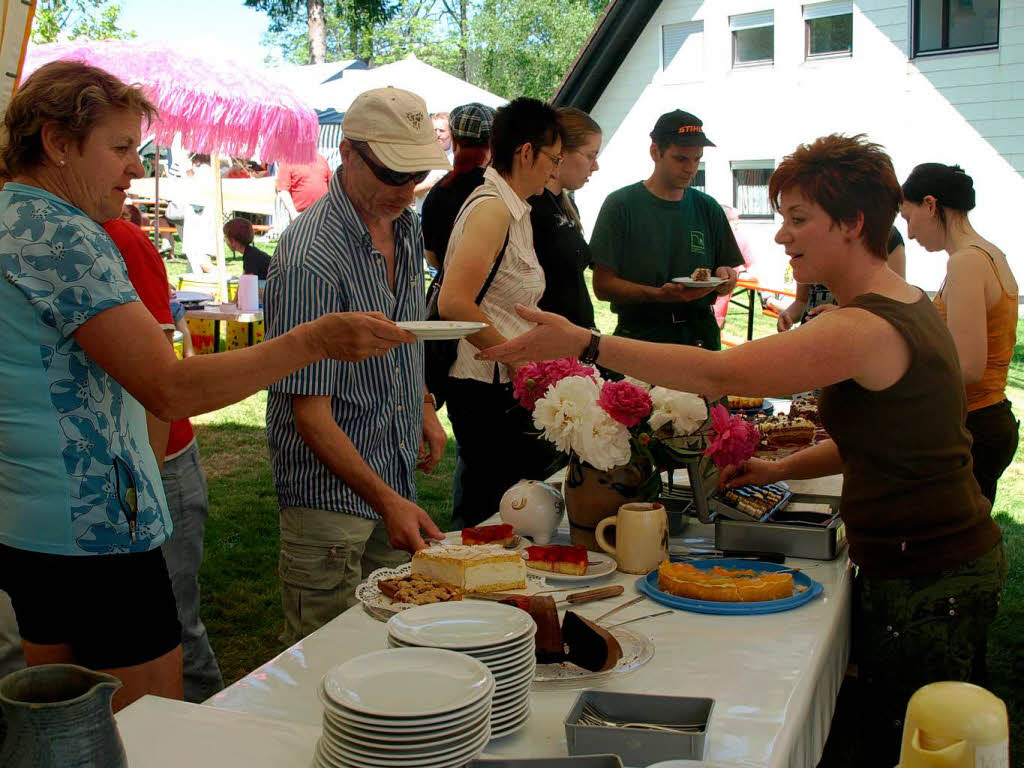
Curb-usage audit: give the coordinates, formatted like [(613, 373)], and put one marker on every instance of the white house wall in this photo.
[(965, 108)]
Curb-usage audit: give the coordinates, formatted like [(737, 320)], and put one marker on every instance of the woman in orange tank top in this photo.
[(978, 300)]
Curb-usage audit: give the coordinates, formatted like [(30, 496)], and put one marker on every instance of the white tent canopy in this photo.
[(15, 25), (441, 91)]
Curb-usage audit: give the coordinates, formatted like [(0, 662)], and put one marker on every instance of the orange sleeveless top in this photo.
[(1001, 327)]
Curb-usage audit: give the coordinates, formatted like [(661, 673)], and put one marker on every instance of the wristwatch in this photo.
[(589, 356), (430, 399)]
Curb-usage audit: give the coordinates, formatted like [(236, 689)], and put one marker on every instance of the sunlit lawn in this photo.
[(239, 576)]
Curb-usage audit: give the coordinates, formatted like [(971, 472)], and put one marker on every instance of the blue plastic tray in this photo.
[(649, 586)]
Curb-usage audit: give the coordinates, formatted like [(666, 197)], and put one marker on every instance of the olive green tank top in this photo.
[(910, 501)]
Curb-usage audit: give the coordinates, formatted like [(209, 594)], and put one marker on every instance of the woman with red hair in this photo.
[(930, 559)]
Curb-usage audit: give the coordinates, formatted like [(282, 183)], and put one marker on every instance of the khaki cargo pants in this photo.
[(324, 556)]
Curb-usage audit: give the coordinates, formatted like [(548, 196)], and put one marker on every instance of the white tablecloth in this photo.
[(774, 677)]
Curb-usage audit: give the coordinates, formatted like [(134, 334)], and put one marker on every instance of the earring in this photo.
[(61, 163)]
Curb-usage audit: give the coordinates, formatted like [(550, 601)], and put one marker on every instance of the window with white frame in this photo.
[(955, 25), (750, 188), (828, 29), (753, 38), (682, 47)]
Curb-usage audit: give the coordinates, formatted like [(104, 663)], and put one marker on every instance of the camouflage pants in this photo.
[(908, 632)]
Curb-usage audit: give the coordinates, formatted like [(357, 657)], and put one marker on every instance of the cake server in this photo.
[(626, 604), (594, 594)]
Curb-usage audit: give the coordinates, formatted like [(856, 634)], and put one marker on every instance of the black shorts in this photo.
[(113, 610)]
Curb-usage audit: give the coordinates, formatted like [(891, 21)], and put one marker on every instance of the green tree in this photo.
[(74, 19), (358, 17), (526, 46)]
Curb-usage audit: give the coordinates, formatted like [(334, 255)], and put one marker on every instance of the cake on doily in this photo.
[(723, 585), (480, 568)]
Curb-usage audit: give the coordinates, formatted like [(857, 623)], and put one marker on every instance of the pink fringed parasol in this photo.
[(220, 107)]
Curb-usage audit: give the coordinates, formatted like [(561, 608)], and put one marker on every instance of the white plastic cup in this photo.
[(248, 293)]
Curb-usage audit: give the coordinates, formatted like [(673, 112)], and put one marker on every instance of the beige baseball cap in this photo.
[(397, 126)]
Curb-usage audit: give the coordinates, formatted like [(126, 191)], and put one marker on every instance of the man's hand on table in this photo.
[(750, 472), (730, 276), (671, 293), (405, 520), (433, 441)]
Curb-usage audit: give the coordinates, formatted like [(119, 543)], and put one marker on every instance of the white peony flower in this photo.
[(686, 411), (567, 405), (605, 444), (570, 418)]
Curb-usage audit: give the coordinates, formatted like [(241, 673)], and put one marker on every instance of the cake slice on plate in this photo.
[(482, 568), (570, 559), (503, 534)]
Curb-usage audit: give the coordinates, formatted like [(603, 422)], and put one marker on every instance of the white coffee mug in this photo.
[(641, 536)]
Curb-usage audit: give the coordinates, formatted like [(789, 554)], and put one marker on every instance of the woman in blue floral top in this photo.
[(82, 510)]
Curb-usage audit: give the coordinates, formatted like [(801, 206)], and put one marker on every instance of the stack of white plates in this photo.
[(415, 707), (500, 636)]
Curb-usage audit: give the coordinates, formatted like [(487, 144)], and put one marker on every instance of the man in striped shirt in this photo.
[(345, 440)]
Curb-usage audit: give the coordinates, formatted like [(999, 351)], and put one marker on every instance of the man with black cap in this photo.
[(653, 231), (345, 440)]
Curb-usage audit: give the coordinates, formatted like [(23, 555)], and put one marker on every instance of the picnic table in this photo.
[(752, 288)]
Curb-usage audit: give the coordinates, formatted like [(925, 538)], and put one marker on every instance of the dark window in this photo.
[(753, 38), (955, 25), (829, 29), (698, 180), (750, 189)]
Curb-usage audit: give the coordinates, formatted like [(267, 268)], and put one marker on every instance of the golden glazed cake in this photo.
[(480, 568), (701, 275), (723, 584)]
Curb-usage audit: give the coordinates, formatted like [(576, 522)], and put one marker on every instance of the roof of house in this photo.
[(601, 56)]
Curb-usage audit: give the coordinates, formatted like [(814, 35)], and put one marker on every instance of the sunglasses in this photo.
[(385, 174)]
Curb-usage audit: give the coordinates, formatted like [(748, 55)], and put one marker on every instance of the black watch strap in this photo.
[(589, 356)]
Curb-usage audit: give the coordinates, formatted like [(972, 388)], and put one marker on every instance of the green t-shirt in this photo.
[(648, 240)]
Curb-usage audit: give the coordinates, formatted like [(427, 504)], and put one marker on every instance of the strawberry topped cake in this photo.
[(489, 534), (559, 558)]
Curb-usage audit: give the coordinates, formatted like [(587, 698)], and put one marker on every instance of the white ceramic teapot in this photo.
[(533, 508)]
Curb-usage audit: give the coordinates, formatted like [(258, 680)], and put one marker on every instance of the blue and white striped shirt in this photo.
[(326, 262)]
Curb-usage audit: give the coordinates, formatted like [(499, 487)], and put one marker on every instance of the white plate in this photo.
[(409, 682), (461, 625), (691, 283), (390, 728), (605, 565), (330, 754), (637, 650), (440, 330), (505, 729), (495, 654), (382, 607), (409, 738), (430, 751)]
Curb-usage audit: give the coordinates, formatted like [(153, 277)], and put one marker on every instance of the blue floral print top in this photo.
[(77, 474)]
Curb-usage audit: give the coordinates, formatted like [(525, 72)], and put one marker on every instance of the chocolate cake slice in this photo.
[(588, 645), (549, 634)]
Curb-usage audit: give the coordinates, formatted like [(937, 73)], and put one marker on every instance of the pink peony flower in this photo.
[(626, 403), (533, 379), (733, 439)]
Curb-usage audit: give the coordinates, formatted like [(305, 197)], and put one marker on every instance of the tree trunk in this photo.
[(464, 39), (317, 32)]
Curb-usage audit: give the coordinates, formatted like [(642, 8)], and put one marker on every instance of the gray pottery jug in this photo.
[(59, 716)]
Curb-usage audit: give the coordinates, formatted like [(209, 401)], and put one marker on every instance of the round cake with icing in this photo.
[(723, 585)]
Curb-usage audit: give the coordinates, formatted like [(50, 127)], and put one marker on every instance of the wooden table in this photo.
[(752, 288)]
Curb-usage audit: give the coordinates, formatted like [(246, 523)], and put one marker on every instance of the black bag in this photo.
[(439, 356)]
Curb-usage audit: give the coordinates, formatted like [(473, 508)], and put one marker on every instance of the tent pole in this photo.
[(218, 221), (156, 198)]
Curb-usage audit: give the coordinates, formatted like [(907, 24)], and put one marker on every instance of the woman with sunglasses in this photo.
[(557, 232), (492, 245), (83, 512)]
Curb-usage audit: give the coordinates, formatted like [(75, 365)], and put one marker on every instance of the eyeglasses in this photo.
[(556, 159), (385, 174)]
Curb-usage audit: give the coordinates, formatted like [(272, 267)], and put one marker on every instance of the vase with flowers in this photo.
[(620, 436)]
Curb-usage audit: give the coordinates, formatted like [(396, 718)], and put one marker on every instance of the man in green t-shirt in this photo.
[(655, 230)]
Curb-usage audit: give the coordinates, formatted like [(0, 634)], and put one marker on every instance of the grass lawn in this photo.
[(240, 603)]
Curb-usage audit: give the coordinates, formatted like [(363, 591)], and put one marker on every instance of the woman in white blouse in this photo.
[(497, 440)]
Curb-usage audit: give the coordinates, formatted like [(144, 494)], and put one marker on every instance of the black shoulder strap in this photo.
[(494, 269)]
